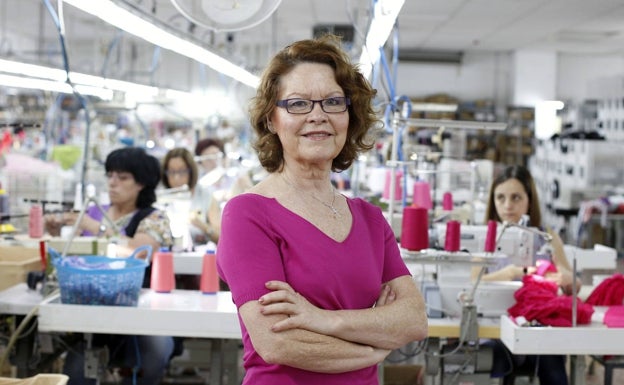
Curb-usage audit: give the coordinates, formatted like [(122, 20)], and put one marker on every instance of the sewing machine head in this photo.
[(516, 245)]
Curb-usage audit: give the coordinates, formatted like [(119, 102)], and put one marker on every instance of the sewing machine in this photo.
[(492, 299), (452, 294)]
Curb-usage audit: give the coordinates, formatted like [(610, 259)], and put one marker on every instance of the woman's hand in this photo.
[(386, 296), (301, 314), (563, 280), (54, 222)]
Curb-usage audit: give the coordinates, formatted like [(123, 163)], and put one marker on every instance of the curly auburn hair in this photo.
[(362, 117)]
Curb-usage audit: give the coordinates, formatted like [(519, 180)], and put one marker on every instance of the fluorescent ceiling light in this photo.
[(137, 26), (80, 80), (53, 86), (385, 14)]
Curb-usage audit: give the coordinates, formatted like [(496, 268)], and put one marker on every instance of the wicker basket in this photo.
[(98, 280)]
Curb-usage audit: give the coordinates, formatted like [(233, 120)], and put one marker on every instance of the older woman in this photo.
[(322, 292)]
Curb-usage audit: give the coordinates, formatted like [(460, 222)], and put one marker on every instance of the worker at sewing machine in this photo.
[(132, 177), (217, 184), (512, 197)]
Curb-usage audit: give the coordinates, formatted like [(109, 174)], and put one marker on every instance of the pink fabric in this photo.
[(609, 292), (261, 240), (614, 317), (544, 266), (537, 300)]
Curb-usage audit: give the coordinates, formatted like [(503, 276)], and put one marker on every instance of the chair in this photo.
[(609, 363)]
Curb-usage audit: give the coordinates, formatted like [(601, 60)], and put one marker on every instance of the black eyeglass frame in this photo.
[(284, 104)]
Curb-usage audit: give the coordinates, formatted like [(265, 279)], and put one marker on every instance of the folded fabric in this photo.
[(609, 292), (614, 317), (537, 300)]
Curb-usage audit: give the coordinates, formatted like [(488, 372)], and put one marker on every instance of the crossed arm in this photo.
[(286, 329)]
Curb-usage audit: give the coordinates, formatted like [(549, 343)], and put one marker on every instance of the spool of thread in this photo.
[(398, 190), (422, 195), (35, 221), (490, 237), (451, 242), (209, 283), (415, 228), (163, 278), (447, 201)]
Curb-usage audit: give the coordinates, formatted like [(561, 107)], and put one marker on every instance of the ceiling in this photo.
[(593, 27)]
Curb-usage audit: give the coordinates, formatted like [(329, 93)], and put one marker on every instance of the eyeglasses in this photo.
[(184, 172), (304, 106)]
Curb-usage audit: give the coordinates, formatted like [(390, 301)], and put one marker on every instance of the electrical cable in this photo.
[(137, 366), (114, 43), (58, 21), (20, 328)]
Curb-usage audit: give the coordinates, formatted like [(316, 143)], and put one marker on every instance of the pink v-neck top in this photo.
[(261, 240)]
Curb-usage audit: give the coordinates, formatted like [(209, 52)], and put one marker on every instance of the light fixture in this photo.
[(54, 79), (459, 124), (385, 14), (24, 75), (53, 86), (137, 26), (226, 15), (547, 123)]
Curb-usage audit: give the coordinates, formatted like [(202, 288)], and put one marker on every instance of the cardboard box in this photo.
[(80, 245), (403, 375), (16, 262), (39, 379)]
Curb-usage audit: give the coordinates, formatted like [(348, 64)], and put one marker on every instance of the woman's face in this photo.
[(211, 158), (316, 137), (122, 188), (177, 172), (511, 200)]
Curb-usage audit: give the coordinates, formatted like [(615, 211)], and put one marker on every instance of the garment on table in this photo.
[(280, 245), (537, 300), (609, 292)]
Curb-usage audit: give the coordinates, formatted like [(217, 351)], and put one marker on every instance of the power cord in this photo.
[(20, 328)]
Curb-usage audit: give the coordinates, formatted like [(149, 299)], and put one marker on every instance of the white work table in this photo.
[(182, 313), (594, 338), (19, 299), (591, 339)]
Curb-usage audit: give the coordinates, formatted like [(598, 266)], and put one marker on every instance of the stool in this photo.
[(609, 363)]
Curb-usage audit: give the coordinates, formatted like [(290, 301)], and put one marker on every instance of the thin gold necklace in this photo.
[(328, 205)]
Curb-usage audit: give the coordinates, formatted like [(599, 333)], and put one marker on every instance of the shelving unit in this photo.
[(515, 145)]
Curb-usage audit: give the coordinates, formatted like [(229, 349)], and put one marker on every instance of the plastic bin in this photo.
[(98, 280)]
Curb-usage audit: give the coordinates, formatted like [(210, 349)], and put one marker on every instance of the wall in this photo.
[(491, 76)]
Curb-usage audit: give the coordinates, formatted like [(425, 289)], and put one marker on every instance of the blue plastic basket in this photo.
[(91, 280)]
